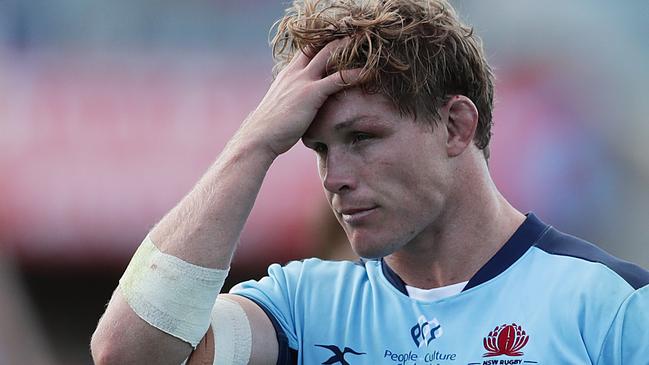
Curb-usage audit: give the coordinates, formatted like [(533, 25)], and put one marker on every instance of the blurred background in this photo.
[(110, 111)]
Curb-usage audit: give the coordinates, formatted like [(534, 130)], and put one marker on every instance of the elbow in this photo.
[(105, 351), (111, 346), (101, 353), (103, 357)]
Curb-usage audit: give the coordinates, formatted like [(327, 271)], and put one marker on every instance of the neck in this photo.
[(474, 226)]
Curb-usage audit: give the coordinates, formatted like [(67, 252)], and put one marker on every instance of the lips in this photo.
[(355, 216), (351, 211)]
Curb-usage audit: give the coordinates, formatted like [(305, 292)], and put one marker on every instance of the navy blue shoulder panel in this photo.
[(525, 236), (287, 355), (558, 243), (393, 278)]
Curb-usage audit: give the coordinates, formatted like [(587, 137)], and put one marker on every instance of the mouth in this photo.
[(353, 216)]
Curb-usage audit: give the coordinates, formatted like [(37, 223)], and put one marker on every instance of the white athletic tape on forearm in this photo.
[(232, 333), (171, 294)]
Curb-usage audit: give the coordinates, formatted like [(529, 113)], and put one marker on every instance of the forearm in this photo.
[(202, 229)]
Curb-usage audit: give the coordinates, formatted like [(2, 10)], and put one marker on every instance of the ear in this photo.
[(461, 124)]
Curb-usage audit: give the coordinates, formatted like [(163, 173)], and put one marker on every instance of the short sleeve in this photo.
[(275, 294), (627, 341)]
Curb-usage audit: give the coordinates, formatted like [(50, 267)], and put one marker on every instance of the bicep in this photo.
[(218, 342)]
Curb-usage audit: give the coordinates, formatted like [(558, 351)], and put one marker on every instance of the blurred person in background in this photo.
[(395, 98), (21, 339)]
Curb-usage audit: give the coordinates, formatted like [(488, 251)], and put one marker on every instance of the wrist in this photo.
[(244, 145)]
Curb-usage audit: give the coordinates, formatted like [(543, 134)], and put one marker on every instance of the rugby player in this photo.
[(395, 98)]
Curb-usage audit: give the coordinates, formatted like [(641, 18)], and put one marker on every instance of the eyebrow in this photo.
[(346, 124), (350, 122)]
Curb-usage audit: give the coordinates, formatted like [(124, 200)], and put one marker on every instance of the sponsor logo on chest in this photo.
[(504, 345)]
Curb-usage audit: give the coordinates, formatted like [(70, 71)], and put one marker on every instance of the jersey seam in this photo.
[(538, 239), (610, 326), (633, 290), (579, 258)]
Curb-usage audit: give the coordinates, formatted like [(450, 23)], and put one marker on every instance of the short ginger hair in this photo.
[(417, 53)]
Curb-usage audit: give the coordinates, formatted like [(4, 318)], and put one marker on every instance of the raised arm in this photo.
[(204, 227)]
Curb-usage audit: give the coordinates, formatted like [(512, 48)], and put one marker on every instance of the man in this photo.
[(395, 99)]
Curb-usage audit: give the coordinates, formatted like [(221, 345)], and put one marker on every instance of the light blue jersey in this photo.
[(544, 298)]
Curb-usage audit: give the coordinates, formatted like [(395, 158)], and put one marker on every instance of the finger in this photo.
[(301, 58), (318, 64), (339, 80)]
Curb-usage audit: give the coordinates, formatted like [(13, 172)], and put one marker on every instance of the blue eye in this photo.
[(357, 137)]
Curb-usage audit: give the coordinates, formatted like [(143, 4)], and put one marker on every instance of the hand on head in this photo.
[(292, 101)]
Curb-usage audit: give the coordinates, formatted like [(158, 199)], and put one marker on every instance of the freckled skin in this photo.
[(398, 165)]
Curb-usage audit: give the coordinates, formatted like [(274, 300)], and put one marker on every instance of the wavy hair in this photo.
[(417, 53)]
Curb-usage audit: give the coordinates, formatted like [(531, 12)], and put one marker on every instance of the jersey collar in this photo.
[(525, 237)]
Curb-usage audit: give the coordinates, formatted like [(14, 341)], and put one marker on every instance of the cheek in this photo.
[(413, 185)]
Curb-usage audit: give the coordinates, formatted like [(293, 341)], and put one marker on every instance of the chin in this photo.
[(372, 249)]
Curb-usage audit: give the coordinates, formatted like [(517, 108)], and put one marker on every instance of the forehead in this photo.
[(350, 101), (352, 107)]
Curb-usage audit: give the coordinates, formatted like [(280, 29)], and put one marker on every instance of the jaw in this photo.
[(391, 231), (373, 242)]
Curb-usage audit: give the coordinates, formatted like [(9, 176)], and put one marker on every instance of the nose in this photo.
[(337, 172)]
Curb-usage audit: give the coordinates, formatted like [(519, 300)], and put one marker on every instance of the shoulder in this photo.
[(321, 271), (308, 273), (287, 293), (627, 336), (585, 255), (317, 266)]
